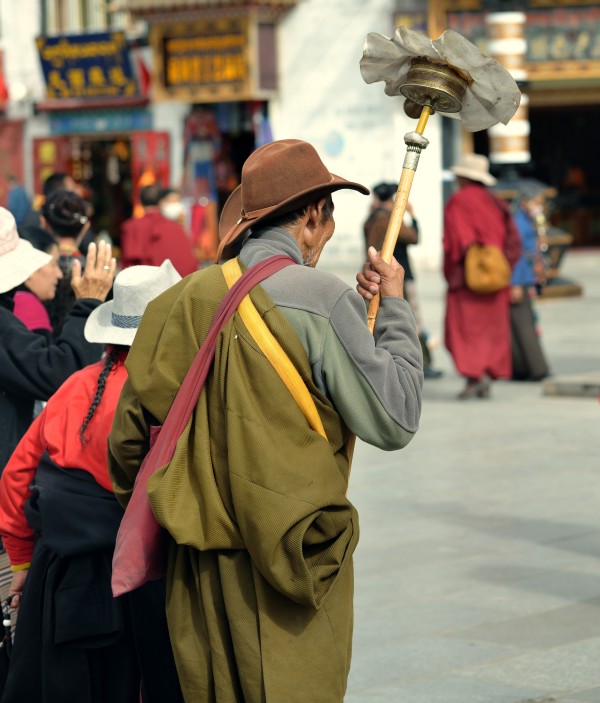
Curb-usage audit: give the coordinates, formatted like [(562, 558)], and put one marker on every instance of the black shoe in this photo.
[(428, 372)]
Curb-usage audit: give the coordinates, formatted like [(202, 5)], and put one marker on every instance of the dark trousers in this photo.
[(160, 683), (529, 362)]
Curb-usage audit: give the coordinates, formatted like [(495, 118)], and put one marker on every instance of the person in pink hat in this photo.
[(32, 367)]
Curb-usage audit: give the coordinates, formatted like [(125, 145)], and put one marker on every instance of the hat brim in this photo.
[(17, 265), (99, 328), (485, 178), (232, 223)]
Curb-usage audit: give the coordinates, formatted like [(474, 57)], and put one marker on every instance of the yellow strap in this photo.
[(271, 348), (19, 567)]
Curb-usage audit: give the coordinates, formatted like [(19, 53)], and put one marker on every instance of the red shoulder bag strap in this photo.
[(189, 392)]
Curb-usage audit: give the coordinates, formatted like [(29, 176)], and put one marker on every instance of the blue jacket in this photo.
[(523, 273)]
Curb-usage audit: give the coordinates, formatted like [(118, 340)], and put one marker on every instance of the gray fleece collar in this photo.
[(269, 241)]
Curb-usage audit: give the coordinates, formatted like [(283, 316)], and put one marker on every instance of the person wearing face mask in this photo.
[(528, 360), (157, 235), (171, 205)]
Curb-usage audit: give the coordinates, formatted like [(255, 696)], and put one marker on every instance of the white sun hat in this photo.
[(475, 167), (117, 320), (18, 258)]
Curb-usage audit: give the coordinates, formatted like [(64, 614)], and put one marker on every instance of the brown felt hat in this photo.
[(277, 178)]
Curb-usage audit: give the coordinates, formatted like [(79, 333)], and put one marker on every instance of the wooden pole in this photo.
[(395, 223)]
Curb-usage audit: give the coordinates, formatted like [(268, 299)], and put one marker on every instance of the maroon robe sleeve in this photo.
[(459, 233)]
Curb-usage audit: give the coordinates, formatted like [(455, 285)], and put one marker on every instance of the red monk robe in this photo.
[(151, 239), (477, 329)]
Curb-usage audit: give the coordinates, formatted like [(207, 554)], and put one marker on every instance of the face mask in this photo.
[(172, 211)]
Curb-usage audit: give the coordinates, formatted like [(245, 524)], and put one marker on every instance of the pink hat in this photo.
[(18, 258)]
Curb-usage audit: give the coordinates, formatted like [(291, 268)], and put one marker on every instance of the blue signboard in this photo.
[(87, 66), (101, 121)]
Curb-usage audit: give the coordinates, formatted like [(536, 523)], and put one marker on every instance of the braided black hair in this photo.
[(65, 212), (109, 362)]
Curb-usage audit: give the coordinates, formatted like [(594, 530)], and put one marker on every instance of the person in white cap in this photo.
[(60, 533), (31, 366), (477, 327)]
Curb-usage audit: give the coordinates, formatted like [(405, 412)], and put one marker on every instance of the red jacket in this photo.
[(56, 430), (151, 239)]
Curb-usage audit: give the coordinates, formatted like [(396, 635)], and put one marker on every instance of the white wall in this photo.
[(356, 128), (20, 24), (170, 117)]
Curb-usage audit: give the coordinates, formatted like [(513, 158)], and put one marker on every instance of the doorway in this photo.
[(561, 156), (104, 169)]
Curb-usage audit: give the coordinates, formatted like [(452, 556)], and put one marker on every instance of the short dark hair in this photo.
[(65, 213), (55, 182), (293, 216), (151, 195), (385, 191), (38, 237), (164, 192)]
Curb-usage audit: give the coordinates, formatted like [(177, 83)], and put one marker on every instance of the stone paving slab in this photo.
[(579, 386), (590, 695), (444, 689), (571, 623), (566, 668)]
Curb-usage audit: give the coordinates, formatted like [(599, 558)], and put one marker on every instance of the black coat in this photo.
[(73, 640), (32, 368)]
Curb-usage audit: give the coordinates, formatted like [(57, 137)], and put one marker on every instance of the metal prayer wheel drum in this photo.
[(437, 85)]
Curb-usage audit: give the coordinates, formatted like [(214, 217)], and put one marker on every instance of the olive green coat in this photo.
[(260, 579)]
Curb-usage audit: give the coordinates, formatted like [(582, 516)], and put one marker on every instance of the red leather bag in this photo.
[(141, 548)]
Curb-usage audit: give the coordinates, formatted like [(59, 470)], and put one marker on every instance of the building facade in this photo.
[(123, 93)]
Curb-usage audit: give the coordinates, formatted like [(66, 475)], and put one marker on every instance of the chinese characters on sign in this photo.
[(87, 66), (205, 60)]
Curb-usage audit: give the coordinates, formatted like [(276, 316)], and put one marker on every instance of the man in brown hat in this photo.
[(260, 581)]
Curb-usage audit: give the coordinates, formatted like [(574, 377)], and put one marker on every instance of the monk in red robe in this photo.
[(477, 328), (153, 238)]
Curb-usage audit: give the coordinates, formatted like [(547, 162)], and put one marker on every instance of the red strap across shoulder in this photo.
[(189, 392)]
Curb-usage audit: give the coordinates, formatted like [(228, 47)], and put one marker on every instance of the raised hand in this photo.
[(98, 275), (379, 277)]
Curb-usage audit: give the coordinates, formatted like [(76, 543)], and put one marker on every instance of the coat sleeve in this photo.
[(33, 367), (17, 536), (459, 233), (374, 381), (128, 444)]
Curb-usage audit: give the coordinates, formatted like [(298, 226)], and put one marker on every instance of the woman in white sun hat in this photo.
[(31, 366), (60, 535)]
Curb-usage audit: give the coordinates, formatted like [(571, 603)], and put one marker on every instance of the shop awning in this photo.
[(197, 4)]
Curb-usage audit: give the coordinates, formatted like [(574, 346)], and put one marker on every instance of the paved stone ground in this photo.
[(478, 571)]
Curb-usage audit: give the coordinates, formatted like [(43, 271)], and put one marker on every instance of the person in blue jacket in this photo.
[(529, 361)]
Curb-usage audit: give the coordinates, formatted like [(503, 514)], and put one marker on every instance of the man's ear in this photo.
[(315, 212)]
